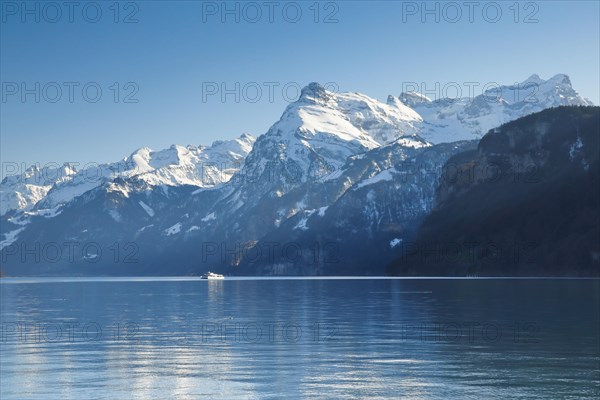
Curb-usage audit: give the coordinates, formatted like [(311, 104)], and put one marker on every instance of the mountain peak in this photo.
[(558, 79), (534, 78), (413, 98), (142, 151), (247, 137), (561, 79), (314, 92), (391, 100)]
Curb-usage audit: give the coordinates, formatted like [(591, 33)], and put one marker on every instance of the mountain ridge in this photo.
[(360, 164)]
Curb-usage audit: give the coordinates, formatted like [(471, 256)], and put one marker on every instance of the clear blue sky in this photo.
[(171, 51)]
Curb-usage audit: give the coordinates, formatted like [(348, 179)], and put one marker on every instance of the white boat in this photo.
[(212, 275)]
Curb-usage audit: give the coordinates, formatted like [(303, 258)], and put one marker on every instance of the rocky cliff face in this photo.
[(526, 202), (371, 205)]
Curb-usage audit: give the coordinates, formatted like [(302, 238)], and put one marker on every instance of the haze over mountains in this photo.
[(332, 188)]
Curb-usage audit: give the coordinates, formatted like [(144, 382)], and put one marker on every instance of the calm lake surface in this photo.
[(299, 338)]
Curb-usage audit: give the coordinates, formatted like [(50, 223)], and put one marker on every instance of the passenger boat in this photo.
[(212, 275)]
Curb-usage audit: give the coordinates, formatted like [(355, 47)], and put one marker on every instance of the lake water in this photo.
[(299, 338)]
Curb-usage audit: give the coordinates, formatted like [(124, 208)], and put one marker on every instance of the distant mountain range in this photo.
[(48, 187), (448, 120), (335, 187)]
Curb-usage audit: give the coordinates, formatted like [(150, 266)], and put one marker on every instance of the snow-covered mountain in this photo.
[(449, 120), (202, 166), (22, 192), (319, 131), (350, 221), (339, 168)]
